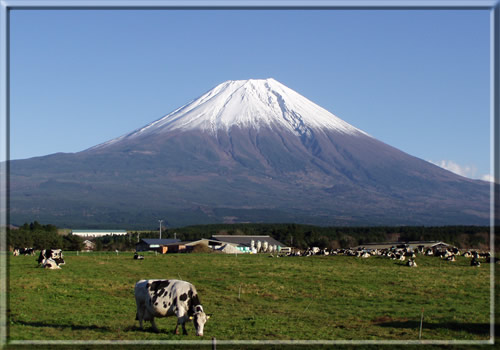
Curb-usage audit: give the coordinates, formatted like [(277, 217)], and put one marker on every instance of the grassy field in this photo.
[(253, 297)]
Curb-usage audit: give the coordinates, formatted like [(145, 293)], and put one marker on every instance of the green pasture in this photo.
[(253, 297)]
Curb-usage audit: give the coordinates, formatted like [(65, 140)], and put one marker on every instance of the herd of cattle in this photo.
[(163, 298), (48, 258), (403, 253)]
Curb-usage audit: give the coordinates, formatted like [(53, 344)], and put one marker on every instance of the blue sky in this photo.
[(415, 79)]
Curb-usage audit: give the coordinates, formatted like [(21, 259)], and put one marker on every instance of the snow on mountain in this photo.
[(252, 103)]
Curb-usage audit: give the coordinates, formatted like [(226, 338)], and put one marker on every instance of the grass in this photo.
[(253, 297)]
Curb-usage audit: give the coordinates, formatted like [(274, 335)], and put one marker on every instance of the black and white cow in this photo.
[(49, 264), (163, 298), (411, 262), (55, 255), (24, 251)]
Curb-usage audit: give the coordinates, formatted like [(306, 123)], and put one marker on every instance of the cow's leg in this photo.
[(184, 331), (140, 322), (154, 325), (140, 316), (142, 313), (181, 320)]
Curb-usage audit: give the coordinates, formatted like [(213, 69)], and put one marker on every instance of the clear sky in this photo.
[(415, 79)]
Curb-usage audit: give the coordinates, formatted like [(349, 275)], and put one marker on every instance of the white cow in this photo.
[(163, 298)]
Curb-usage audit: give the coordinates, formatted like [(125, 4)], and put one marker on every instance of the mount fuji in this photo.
[(245, 151)]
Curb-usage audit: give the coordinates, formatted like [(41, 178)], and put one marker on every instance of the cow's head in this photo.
[(199, 319)]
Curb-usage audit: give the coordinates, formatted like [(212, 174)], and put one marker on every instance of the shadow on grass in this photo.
[(59, 325), (87, 328), (475, 328)]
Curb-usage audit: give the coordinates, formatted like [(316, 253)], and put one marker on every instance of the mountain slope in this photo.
[(250, 150)]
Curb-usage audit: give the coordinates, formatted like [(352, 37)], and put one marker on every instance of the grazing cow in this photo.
[(55, 254), (163, 298)]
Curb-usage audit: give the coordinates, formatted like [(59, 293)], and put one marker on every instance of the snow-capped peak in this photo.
[(253, 103)]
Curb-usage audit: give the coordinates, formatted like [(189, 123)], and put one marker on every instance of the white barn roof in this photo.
[(98, 233)]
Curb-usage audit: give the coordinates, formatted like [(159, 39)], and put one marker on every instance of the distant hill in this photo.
[(245, 151)]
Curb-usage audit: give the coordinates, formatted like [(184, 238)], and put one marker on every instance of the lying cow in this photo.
[(55, 255), (23, 251), (163, 298), (49, 264)]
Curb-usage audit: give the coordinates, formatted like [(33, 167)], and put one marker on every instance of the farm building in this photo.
[(157, 244), (411, 245), (98, 233), (88, 245), (244, 242), (174, 245)]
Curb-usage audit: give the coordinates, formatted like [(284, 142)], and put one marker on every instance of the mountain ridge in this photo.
[(227, 157)]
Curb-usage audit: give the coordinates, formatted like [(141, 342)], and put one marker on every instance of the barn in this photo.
[(155, 244)]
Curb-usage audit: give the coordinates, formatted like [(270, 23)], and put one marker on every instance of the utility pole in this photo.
[(160, 227)]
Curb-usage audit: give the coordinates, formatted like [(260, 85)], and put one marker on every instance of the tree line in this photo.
[(38, 236), (300, 236), (303, 236)]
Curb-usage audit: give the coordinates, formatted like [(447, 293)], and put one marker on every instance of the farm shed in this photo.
[(147, 244), (187, 246), (411, 245), (98, 233), (243, 242)]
